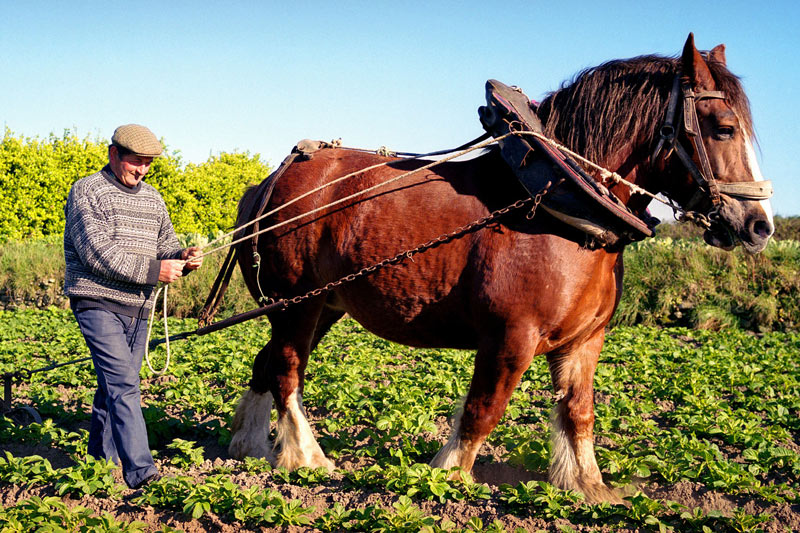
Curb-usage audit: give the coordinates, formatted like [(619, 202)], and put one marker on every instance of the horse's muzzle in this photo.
[(758, 230), (740, 222)]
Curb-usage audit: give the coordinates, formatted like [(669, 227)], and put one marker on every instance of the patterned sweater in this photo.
[(114, 239)]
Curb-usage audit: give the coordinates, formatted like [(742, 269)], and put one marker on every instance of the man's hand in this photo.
[(189, 255), (171, 269)]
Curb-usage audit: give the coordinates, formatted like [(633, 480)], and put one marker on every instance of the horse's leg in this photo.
[(499, 365), (573, 465), (282, 361), (295, 445), (250, 426)]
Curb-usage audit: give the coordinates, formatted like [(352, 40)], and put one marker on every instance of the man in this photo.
[(118, 243)]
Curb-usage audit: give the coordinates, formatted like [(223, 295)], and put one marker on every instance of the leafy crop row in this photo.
[(52, 514), (714, 411)]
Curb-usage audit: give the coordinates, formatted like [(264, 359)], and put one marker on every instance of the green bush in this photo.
[(36, 175), (202, 198)]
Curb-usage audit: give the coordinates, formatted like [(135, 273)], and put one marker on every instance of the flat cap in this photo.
[(138, 140)]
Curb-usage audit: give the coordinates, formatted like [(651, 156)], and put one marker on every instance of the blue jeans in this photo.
[(117, 430)]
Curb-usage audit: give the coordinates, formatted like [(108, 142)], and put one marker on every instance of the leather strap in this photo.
[(702, 175), (667, 130), (705, 176), (218, 288), (756, 190)]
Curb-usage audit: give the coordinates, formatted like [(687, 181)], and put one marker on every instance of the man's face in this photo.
[(130, 168)]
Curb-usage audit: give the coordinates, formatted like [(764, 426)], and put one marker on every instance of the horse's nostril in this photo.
[(763, 228)]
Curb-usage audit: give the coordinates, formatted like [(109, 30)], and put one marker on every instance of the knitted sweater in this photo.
[(114, 239)]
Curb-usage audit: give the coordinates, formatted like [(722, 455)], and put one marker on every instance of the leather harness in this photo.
[(580, 201), (708, 186)]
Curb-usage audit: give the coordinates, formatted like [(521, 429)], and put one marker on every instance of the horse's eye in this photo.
[(724, 132)]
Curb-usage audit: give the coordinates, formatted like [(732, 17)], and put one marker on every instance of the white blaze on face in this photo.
[(755, 171)]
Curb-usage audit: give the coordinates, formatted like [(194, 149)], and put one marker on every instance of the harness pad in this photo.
[(573, 196)]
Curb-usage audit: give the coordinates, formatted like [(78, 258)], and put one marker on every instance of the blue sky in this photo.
[(259, 76)]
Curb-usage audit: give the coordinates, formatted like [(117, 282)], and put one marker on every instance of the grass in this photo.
[(32, 271), (686, 283), (32, 275)]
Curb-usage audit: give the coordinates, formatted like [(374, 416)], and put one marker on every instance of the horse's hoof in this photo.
[(241, 447), (324, 462), (455, 475), (294, 461), (600, 492)]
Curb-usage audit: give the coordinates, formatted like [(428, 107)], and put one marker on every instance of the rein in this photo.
[(220, 284), (455, 153)]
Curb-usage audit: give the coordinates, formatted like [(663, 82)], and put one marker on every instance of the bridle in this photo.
[(708, 186)]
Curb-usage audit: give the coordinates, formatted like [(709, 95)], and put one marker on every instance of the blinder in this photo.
[(708, 187)]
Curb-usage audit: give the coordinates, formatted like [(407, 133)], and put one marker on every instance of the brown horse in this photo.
[(513, 290)]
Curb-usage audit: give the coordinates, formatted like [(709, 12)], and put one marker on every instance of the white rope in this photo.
[(150, 330), (604, 172), (341, 200), (283, 206), (287, 204)]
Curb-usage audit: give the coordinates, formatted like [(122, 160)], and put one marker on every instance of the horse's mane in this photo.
[(623, 103)]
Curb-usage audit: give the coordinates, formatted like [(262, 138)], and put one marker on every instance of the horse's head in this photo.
[(709, 144)]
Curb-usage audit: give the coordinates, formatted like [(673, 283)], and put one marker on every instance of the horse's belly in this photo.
[(408, 310)]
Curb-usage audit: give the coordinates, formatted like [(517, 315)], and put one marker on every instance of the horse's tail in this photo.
[(244, 210), (251, 205), (246, 206)]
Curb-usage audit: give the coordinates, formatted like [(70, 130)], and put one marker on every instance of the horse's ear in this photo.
[(695, 66), (718, 54)]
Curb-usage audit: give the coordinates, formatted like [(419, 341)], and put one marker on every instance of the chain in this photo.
[(408, 254), (698, 219), (538, 199)]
